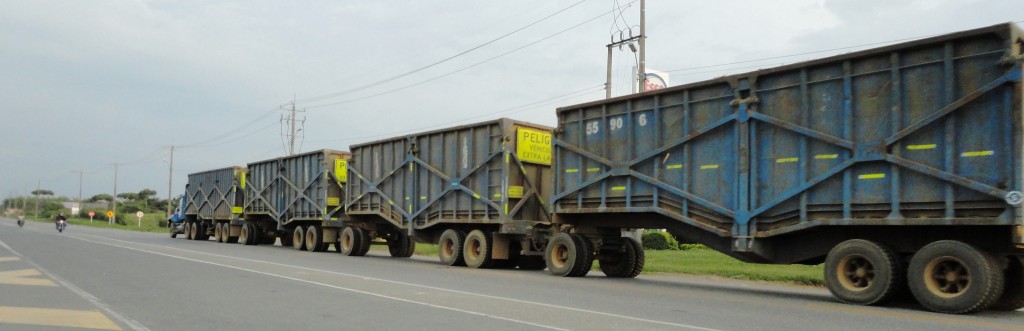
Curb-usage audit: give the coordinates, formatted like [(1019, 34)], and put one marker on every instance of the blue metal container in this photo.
[(779, 165)]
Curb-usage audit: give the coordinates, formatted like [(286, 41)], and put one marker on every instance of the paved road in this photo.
[(118, 280)]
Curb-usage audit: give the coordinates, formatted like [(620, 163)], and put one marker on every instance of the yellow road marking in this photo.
[(9, 258), (57, 317), (20, 277)]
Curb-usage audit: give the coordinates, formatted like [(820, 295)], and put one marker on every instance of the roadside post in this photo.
[(91, 214), (139, 215), (110, 217)]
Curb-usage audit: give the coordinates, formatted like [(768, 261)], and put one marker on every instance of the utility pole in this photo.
[(170, 176), (38, 186), (292, 133), (81, 174), (643, 36), (111, 219)]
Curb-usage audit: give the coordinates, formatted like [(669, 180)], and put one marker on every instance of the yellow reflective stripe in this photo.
[(506, 208), (423, 197), (871, 176), (618, 188), (977, 153), (476, 196), (708, 166), (593, 169), (826, 156), (787, 160), (236, 210), (674, 166), (571, 170), (920, 147)]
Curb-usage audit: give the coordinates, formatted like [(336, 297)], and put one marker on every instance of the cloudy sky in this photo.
[(87, 84)]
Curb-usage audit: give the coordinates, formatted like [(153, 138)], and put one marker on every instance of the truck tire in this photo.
[(268, 238), (477, 250), (172, 232), (863, 272), (401, 246), (217, 234), (350, 241), (286, 240), (564, 254), (587, 250), (449, 247), (201, 231), (188, 230), (299, 238), (248, 235), (531, 262), (953, 277), (364, 241), (226, 232), (1013, 290), (314, 238), (623, 262)]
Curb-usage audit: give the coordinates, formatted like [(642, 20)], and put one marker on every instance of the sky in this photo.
[(86, 85)]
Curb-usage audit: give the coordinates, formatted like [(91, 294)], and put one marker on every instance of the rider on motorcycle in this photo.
[(60, 218), (21, 220)]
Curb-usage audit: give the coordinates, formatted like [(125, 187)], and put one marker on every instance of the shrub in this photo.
[(657, 240)]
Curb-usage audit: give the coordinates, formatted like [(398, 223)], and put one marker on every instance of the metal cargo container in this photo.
[(903, 146), (492, 177), (296, 197), (212, 197)]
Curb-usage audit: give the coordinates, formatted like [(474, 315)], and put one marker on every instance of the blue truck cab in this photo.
[(176, 220)]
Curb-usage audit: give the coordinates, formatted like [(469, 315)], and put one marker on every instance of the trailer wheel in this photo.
[(350, 241), (564, 254), (1013, 291), (402, 246), (364, 241), (188, 230), (217, 233), (450, 247), (949, 276), (248, 234), (314, 238), (531, 262), (203, 232), (226, 232), (477, 249), (298, 238), (586, 248), (626, 262), (286, 240), (862, 272), (170, 226), (268, 239)]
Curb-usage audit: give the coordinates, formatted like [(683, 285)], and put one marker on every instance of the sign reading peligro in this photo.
[(533, 146)]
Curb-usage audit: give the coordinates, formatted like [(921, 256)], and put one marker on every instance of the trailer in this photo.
[(298, 198), (477, 190), (212, 204), (898, 167)]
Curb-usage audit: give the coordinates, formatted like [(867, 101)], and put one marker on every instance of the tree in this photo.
[(101, 197), (128, 196), (42, 192), (145, 194)]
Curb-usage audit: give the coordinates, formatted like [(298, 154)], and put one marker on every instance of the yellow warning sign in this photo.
[(341, 170), (515, 192), (533, 146)]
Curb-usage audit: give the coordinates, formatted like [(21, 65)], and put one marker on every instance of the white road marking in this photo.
[(687, 326), (82, 293), (327, 285)]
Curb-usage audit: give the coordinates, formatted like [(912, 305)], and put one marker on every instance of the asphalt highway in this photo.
[(91, 278)]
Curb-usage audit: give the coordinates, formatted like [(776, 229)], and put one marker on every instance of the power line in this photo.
[(385, 80), (463, 68), (446, 123)]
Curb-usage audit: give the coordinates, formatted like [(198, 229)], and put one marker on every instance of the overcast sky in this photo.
[(86, 84)]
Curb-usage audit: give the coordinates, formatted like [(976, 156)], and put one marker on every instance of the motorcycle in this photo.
[(61, 225), (21, 221)]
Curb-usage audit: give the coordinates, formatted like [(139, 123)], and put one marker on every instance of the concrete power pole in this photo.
[(170, 176), (111, 219), (292, 132), (38, 186), (642, 74), (641, 63)]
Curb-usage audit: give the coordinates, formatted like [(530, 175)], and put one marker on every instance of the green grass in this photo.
[(706, 262), (150, 223)]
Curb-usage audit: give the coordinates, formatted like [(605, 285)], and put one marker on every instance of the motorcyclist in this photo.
[(21, 220), (58, 219)]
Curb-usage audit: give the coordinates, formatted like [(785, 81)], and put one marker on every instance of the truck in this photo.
[(212, 205), (297, 198), (478, 190), (900, 168), (176, 220)]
